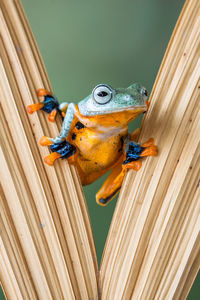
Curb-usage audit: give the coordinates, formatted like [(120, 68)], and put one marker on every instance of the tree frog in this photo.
[(94, 135)]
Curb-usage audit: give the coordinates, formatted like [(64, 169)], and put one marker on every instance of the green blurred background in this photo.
[(84, 43)]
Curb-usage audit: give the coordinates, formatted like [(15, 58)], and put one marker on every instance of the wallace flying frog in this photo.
[(94, 135)]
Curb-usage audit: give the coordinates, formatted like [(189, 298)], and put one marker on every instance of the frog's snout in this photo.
[(144, 93)]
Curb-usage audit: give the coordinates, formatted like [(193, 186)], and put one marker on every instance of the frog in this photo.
[(94, 135)]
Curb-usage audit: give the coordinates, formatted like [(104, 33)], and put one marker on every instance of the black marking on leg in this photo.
[(133, 153), (50, 103), (65, 149), (79, 125), (104, 201), (73, 136), (122, 144)]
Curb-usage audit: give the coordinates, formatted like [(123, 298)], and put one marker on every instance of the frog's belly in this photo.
[(97, 156)]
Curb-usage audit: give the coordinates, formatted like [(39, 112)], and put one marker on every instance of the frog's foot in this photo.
[(49, 105), (149, 148), (136, 151), (111, 186), (59, 150)]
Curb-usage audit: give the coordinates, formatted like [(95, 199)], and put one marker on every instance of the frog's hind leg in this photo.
[(59, 150), (111, 186), (133, 152)]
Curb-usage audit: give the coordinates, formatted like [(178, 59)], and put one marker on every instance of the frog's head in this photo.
[(105, 100)]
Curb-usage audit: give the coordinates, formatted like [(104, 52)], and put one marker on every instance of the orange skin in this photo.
[(100, 147), (99, 144)]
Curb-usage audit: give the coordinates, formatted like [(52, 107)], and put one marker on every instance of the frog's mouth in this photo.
[(90, 110), (118, 117), (134, 109)]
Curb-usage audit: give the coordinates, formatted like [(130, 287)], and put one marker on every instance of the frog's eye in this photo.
[(102, 94)]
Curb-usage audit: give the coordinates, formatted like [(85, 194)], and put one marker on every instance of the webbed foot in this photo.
[(135, 151), (49, 105), (59, 150)]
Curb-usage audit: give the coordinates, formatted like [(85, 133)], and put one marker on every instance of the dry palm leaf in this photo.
[(154, 236), (45, 229), (46, 244)]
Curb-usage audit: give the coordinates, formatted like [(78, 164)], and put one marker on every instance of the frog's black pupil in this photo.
[(102, 94), (145, 92)]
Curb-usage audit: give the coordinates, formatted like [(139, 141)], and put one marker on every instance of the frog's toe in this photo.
[(50, 159), (52, 115), (43, 92), (45, 141), (148, 143), (150, 148), (150, 151), (34, 107), (135, 165)]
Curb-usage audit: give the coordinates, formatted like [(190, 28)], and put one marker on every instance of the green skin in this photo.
[(115, 100)]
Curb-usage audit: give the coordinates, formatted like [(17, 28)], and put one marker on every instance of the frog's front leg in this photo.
[(49, 105), (59, 146)]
